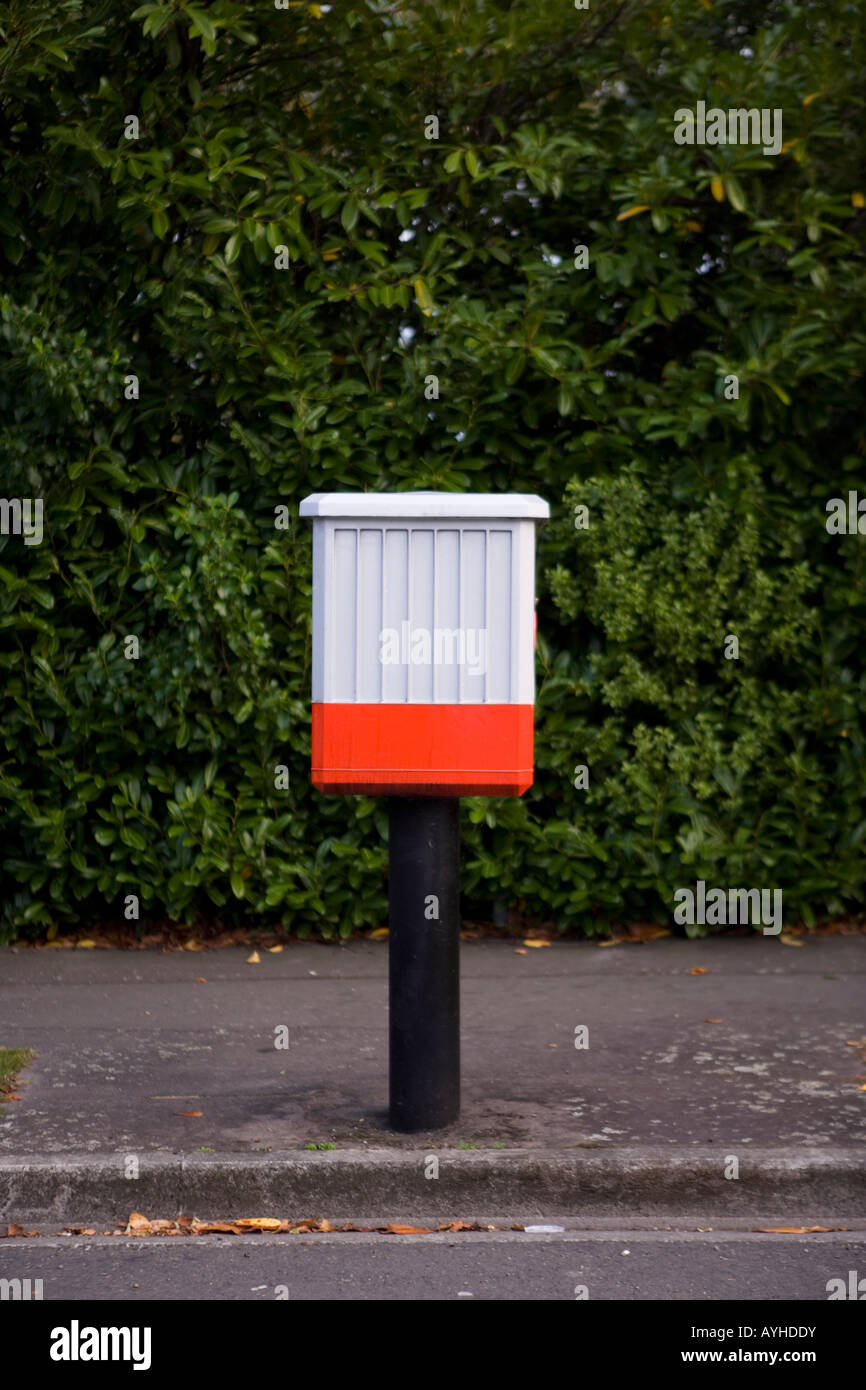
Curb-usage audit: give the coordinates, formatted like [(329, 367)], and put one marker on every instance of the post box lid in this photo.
[(457, 505)]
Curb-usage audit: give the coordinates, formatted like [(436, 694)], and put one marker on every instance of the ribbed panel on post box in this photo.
[(471, 588)]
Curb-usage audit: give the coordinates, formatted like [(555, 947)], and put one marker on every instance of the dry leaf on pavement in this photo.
[(789, 1230)]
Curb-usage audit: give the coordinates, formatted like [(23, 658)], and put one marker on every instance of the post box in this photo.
[(423, 642)]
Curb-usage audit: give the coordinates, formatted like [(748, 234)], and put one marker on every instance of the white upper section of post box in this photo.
[(423, 597), (465, 505)]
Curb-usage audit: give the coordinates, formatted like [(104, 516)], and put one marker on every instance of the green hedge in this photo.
[(601, 388)]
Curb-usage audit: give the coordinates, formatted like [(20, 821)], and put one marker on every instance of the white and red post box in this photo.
[(423, 642)]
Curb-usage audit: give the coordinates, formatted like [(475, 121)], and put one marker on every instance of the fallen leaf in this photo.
[(698, 970), (78, 1231), (407, 1230), (200, 980), (788, 940), (275, 950), (377, 934), (633, 212), (137, 1222), (713, 1020), (461, 1226), (254, 959), (86, 945), (258, 1223), (190, 1114), (536, 943), (861, 1088), (192, 945), (519, 951), (639, 932), (789, 1230)]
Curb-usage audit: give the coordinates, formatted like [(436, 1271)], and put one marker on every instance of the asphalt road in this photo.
[(608, 1265)]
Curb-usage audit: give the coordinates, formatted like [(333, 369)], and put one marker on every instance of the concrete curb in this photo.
[(377, 1183)]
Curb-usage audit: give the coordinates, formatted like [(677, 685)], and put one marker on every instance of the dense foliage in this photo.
[(282, 258)]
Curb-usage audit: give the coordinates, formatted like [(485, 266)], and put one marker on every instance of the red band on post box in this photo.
[(417, 750)]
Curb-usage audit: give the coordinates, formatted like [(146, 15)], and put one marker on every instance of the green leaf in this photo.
[(201, 23)]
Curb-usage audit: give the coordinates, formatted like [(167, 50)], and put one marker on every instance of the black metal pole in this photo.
[(424, 961)]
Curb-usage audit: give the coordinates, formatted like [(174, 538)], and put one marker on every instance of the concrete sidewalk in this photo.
[(751, 1058)]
